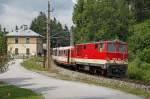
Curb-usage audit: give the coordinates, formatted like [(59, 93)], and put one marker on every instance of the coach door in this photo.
[(68, 55)]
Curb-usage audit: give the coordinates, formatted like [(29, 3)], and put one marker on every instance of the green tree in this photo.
[(58, 33), (3, 47), (139, 48), (39, 24), (3, 51), (101, 19), (141, 9), (140, 41)]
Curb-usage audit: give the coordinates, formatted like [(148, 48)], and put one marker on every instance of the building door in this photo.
[(27, 51), (16, 51)]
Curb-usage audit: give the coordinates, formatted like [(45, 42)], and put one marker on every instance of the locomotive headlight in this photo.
[(108, 60), (126, 60)]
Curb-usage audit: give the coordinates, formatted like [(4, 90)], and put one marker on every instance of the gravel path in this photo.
[(58, 89)]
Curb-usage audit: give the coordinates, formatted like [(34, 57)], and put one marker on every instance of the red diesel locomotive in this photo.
[(109, 58)]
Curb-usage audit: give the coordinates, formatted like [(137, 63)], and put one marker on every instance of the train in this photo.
[(109, 58)]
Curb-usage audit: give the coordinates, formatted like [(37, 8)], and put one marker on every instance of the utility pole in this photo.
[(71, 37), (48, 38)]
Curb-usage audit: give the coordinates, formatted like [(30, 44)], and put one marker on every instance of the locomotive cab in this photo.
[(117, 58)]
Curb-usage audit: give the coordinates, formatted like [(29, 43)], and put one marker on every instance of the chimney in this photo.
[(24, 27)]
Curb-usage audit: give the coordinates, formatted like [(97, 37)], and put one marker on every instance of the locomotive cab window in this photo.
[(111, 47)]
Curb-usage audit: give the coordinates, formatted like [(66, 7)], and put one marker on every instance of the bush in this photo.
[(133, 71), (145, 55), (139, 40), (34, 63), (139, 70), (139, 52)]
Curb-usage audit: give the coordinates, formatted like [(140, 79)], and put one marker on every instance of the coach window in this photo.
[(101, 47), (66, 52), (55, 52), (59, 53)]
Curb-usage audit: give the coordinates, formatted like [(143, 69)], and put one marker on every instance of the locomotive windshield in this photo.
[(122, 48), (116, 47)]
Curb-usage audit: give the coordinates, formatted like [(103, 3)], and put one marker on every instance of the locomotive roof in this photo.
[(63, 48), (103, 42), (69, 47)]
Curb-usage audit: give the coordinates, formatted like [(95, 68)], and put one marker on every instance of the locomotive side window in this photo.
[(111, 47), (101, 47)]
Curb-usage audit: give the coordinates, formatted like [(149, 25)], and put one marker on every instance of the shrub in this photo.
[(134, 71), (145, 55), (33, 63), (139, 70)]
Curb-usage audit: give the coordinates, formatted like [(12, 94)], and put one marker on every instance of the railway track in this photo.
[(120, 81)]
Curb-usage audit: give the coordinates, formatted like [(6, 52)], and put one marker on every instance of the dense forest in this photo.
[(126, 20)]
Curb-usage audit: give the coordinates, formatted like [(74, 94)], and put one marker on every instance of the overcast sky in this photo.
[(18, 12)]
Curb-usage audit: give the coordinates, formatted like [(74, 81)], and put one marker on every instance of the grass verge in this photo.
[(13, 92), (34, 64), (31, 64)]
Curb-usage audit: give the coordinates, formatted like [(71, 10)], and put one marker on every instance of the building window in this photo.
[(27, 40), (16, 40), (16, 51), (28, 51)]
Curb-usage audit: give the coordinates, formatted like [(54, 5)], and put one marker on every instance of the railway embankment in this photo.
[(103, 80), (125, 85)]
